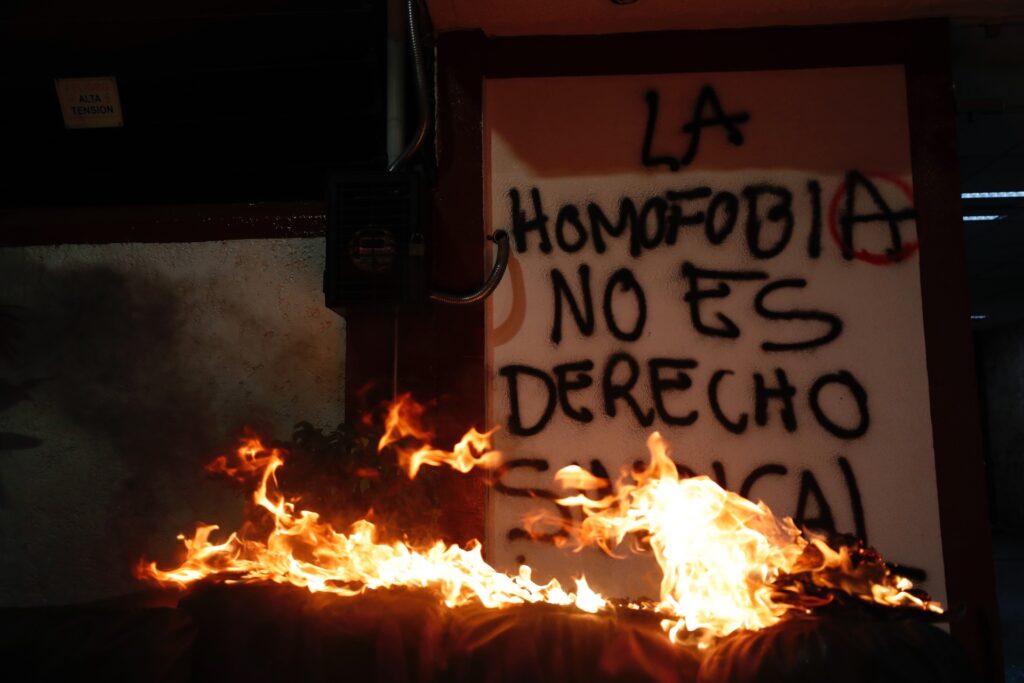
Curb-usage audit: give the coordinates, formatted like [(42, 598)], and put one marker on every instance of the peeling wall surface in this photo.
[(123, 369)]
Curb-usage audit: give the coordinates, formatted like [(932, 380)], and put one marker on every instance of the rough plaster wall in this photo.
[(138, 363), (1001, 356)]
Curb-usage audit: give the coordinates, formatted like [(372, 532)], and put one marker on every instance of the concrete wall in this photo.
[(132, 365), (1001, 375)]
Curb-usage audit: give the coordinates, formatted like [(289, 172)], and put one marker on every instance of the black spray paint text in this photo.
[(679, 393), (684, 390), (762, 215), (813, 509)]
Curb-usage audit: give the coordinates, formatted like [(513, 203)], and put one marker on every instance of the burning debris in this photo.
[(293, 546), (734, 567)]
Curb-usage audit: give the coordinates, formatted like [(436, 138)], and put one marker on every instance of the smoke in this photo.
[(109, 343)]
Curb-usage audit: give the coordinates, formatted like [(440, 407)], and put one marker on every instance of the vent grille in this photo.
[(372, 220)]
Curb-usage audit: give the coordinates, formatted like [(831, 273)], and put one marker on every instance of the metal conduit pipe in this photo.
[(422, 95), (500, 237)]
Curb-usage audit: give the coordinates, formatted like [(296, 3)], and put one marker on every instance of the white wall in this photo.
[(152, 357)]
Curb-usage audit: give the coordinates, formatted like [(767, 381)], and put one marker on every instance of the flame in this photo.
[(727, 563), (720, 554), (303, 551), (405, 420), (251, 457)]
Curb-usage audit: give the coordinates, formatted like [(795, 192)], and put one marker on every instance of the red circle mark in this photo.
[(874, 258)]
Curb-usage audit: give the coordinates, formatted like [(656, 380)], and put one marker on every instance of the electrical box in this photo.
[(376, 244)]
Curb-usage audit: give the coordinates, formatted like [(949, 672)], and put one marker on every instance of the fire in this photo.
[(405, 419), (251, 457), (301, 550), (721, 555), (727, 563)]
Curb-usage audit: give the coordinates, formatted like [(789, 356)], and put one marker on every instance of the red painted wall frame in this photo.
[(448, 357)]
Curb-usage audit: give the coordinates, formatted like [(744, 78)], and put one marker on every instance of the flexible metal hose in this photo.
[(493, 280)]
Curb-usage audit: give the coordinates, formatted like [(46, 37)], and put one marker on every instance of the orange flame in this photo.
[(303, 551), (405, 422), (721, 555), (251, 458)]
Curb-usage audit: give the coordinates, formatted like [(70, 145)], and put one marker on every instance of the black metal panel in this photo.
[(246, 106)]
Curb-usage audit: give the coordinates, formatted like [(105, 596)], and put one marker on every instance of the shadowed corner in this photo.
[(104, 348), (13, 392)]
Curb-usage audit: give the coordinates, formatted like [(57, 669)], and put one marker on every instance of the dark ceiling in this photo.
[(223, 100)]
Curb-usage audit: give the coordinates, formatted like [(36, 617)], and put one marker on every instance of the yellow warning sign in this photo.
[(89, 102)]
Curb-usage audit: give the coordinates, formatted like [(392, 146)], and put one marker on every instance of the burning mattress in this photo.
[(259, 632), (744, 596)]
